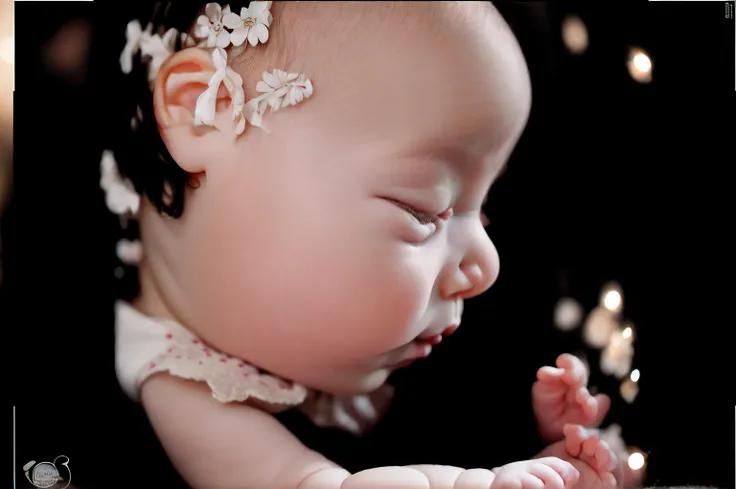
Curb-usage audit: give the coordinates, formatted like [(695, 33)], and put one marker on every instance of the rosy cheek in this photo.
[(406, 296)]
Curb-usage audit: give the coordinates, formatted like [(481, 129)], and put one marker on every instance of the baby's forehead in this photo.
[(421, 70), (328, 36)]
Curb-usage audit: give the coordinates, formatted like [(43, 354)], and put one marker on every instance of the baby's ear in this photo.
[(180, 81)]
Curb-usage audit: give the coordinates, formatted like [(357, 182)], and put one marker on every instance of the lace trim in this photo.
[(230, 379)]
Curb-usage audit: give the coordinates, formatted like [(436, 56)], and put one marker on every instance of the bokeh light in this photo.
[(640, 66), (636, 460), (575, 34)]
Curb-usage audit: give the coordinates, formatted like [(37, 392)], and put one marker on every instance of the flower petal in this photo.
[(219, 57), (240, 126), (282, 76), (204, 110), (202, 20), (225, 10), (234, 76), (232, 20), (253, 114), (262, 32), (133, 30), (223, 39), (238, 95), (229, 85), (126, 60), (256, 9), (272, 79), (213, 12), (308, 88), (253, 36), (238, 36), (202, 30), (211, 39), (263, 87), (169, 40)]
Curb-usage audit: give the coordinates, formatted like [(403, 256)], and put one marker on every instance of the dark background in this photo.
[(612, 180)]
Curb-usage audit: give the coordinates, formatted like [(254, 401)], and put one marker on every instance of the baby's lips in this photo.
[(434, 340), (449, 330)]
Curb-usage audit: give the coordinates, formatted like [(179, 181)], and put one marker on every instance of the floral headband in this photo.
[(278, 88), (216, 29)]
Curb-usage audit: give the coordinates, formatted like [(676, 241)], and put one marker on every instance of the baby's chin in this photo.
[(351, 385)]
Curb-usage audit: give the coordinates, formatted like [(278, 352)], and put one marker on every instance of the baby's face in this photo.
[(300, 251)]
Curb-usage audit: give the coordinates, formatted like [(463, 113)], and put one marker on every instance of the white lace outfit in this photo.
[(145, 345)]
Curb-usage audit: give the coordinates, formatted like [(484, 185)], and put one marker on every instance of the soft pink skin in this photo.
[(289, 254), (594, 460), (560, 396)]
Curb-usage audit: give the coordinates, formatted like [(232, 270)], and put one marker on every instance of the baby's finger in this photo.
[(474, 478), (548, 475), (529, 481), (588, 405), (604, 404), (575, 371), (574, 438), (563, 468), (609, 480), (550, 373)]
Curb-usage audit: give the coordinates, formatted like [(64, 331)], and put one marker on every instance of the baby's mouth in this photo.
[(421, 347)]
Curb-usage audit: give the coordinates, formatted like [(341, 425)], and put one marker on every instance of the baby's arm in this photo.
[(216, 446)]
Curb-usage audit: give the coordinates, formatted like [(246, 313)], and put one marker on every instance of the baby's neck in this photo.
[(149, 301)]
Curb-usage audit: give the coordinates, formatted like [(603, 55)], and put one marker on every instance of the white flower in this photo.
[(251, 24), (279, 89), (239, 108), (129, 252), (134, 38), (206, 107), (210, 27), (159, 48), (120, 196)]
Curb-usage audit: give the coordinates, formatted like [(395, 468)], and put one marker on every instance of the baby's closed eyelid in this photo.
[(422, 216)]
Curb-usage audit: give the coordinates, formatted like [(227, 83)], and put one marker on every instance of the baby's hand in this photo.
[(591, 456), (560, 396), (419, 477), (541, 473)]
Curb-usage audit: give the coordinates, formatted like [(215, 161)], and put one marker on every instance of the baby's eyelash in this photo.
[(422, 217)]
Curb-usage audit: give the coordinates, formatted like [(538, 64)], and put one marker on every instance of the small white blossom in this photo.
[(206, 106), (159, 48), (134, 38), (129, 252), (210, 27), (252, 23), (120, 196), (279, 89)]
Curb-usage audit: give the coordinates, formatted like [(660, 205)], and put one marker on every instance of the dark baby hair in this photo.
[(139, 151)]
